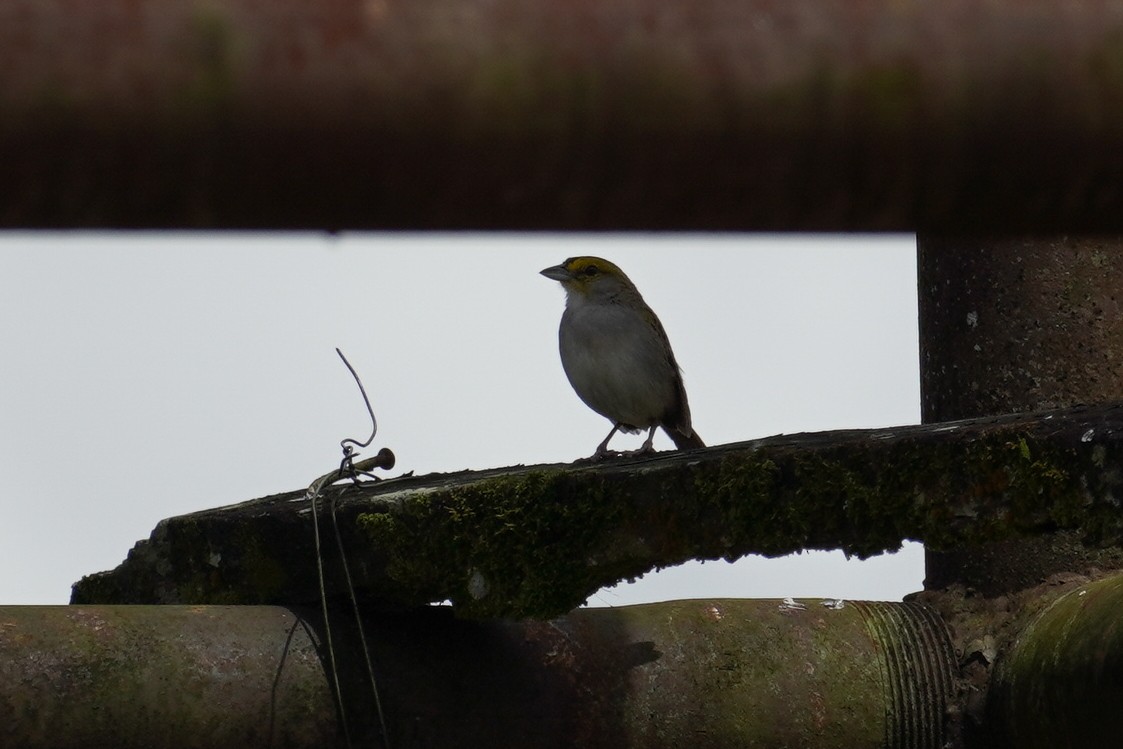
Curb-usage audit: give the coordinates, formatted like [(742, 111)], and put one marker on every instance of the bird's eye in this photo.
[(591, 270)]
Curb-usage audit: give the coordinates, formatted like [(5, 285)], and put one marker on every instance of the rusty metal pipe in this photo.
[(713, 114), (1061, 684), (718, 673), (166, 677)]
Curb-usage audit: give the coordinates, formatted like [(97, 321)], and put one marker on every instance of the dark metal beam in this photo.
[(715, 114)]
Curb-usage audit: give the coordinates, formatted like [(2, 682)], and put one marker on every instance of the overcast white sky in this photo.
[(144, 376)]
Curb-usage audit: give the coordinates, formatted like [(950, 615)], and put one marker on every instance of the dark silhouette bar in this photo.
[(535, 114)]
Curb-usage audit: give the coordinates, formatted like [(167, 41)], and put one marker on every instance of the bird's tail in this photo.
[(682, 440)]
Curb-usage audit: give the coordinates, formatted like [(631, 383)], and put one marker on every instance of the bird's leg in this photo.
[(602, 448), (646, 446)]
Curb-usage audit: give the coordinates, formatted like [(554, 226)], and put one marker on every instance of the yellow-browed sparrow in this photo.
[(617, 356)]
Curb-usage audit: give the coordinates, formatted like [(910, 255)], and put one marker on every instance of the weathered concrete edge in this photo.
[(536, 541)]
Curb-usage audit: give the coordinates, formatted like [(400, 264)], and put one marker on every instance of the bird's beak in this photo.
[(557, 273)]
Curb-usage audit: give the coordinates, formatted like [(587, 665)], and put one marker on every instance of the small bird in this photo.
[(617, 355)]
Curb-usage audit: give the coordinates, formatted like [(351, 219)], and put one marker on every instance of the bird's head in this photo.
[(590, 277)]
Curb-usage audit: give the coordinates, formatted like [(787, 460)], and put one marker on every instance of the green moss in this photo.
[(991, 488), (248, 571), (518, 544), (944, 495), (538, 543), (262, 572), (734, 499)]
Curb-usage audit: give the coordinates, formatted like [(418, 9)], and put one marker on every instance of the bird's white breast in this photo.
[(616, 362)]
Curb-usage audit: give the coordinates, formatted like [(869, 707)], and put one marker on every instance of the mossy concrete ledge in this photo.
[(536, 541)]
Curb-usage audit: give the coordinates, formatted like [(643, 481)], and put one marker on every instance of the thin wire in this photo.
[(347, 468), (359, 622), (373, 421), (314, 492)]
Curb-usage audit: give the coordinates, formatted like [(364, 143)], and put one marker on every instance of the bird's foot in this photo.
[(644, 449), (598, 456), (606, 454), (603, 453)]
